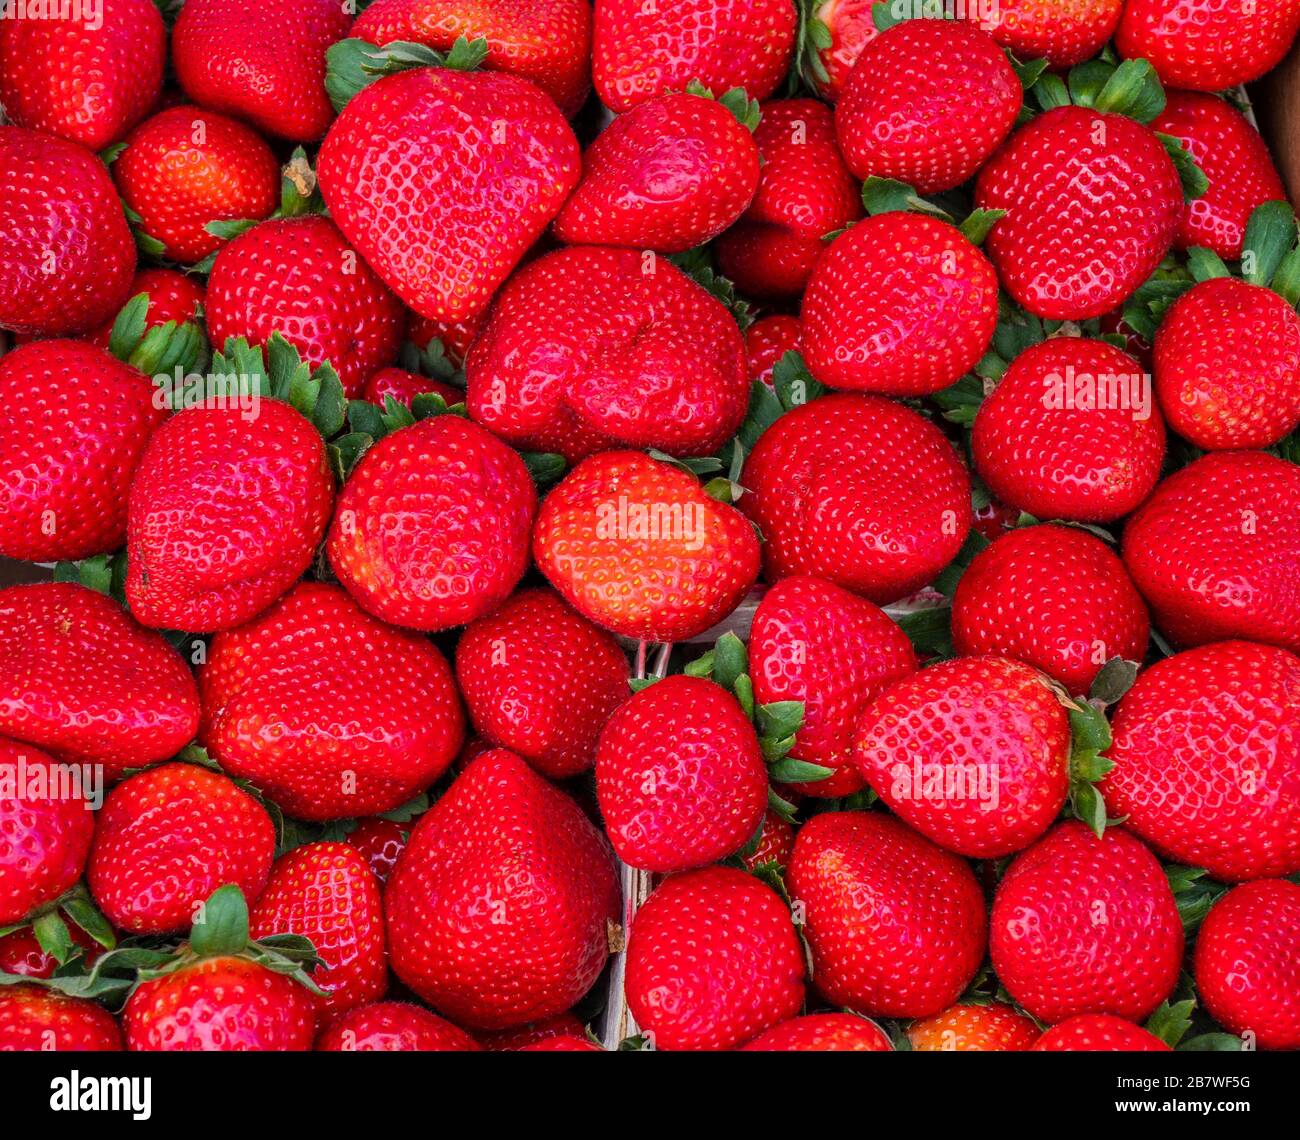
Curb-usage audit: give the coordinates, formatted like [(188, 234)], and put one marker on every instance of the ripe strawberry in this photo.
[(173, 296), (590, 348), (455, 336), (562, 1044), (486, 162), (1070, 432), (816, 643), (775, 845), (639, 548), (265, 65), (22, 953), (35, 1019), (822, 1033), (896, 925), (1063, 32), (225, 513), (472, 935), (995, 1027), (80, 678), (1054, 597), (1092, 201), (506, 1040), (66, 252), (380, 842), (166, 838), (541, 680), (900, 304), (767, 340), (860, 491), (1227, 365), (394, 1026), (1099, 1033), (186, 167), (88, 81), (404, 386), (1248, 962), (712, 961), (431, 529), (1075, 898), (1216, 551), (850, 26), (639, 52), (1207, 760), (327, 711)]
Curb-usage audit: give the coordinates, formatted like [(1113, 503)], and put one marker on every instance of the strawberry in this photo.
[(994, 1027), (562, 1044), (541, 680), (591, 348), (508, 1040), (394, 1026), (86, 80), (1070, 432), (173, 296), (486, 162), (1099, 1032), (404, 386), (327, 711), (1206, 747), (21, 952), (1227, 365), (225, 512), (498, 908), (638, 547), (896, 925), (431, 529), (265, 65), (973, 753), (639, 52), (849, 26), (380, 842), (166, 838), (1248, 962), (860, 491), (1073, 898), (900, 304), (899, 116), (1063, 180), (774, 846), (80, 678), (816, 643), (454, 336), (186, 167), (1054, 597), (713, 960), (67, 253), (1216, 550), (822, 1033), (767, 340), (1063, 32), (36, 1019)]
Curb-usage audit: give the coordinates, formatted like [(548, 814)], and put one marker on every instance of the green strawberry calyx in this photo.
[(50, 926), (746, 111), (353, 65), (159, 349), (890, 196), (1091, 737)]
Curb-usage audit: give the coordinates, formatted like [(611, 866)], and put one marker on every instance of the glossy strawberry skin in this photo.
[(380, 842), (1092, 201), (455, 336), (822, 1033), (1073, 897), (473, 937), (767, 340), (431, 529), (394, 1026), (173, 296), (851, 27), (896, 925), (74, 422), (592, 348), (636, 546), (712, 961), (36, 1019), (80, 678), (900, 305), (1064, 32), (166, 838), (1097, 1033), (521, 1036), (819, 644), (860, 491), (1207, 760), (404, 386), (486, 161), (774, 846), (22, 953), (995, 1027), (562, 1044)]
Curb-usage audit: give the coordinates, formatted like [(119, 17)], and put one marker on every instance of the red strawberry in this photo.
[(995, 1027), (592, 348), (431, 530), (822, 1033), (896, 925), (66, 252), (327, 711), (541, 680), (486, 162), (380, 842), (504, 1040), (850, 26), (186, 167), (173, 296), (498, 908), (1070, 432), (404, 386), (394, 1026), (860, 491), (88, 80), (712, 961), (1063, 32), (1054, 597), (774, 845), (1074, 898), (80, 678), (1207, 760), (22, 953), (816, 643), (639, 548), (1099, 1033), (1248, 963), (265, 64), (562, 1044), (35, 1019), (1216, 550), (767, 340), (639, 52), (1092, 201), (900, 304), (455, 336)]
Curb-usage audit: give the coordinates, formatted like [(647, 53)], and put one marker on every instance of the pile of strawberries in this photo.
[(466, 624)]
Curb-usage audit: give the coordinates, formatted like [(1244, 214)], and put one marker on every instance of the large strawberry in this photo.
[(822, 1033), (36, 1019), (1099, 1032), (173, 296), (995, 1027), (394, 1026), (1063, 32)]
